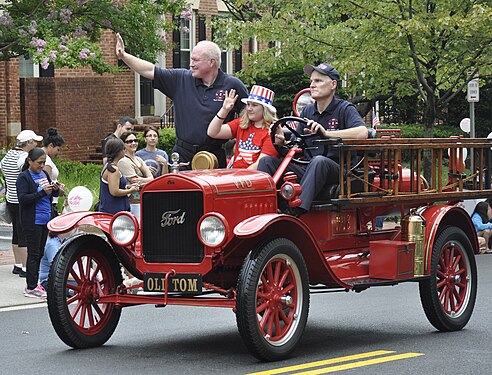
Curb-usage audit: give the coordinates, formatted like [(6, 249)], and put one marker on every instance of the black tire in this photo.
[(271, 319), (448, 296), (78, 318)]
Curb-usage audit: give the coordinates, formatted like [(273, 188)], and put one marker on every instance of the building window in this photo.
[(184, 42)]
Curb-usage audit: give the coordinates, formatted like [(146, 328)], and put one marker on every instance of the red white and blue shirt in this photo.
[(250, 143)]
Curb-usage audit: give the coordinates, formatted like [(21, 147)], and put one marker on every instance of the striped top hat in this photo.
[(261, 95)]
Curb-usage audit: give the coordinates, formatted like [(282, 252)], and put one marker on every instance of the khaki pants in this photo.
[(483, 239)]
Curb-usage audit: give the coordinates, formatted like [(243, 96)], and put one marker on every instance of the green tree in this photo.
[(386, 49), (65, 32)]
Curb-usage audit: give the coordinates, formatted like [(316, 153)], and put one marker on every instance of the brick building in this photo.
[(85, 106)]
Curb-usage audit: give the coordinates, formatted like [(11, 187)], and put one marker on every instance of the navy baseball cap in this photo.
[(325, 69)]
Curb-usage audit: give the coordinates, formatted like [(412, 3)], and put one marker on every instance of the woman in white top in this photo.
[(52, 144), (131, 166), (134, 169)]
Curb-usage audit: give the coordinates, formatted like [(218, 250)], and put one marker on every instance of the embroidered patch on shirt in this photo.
[(332, 124), (220, 95)]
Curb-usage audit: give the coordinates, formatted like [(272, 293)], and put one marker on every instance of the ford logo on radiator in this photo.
[(170, 218)]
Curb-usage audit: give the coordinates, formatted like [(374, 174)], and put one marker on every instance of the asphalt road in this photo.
[(380, 331)]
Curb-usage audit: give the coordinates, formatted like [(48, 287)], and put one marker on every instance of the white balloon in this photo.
[(490, 135), (465, 125), (80, 199)]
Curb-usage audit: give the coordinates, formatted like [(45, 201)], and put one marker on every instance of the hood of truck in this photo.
[(221, 181)]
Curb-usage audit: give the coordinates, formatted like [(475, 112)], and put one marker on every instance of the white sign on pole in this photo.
[(473, 94)]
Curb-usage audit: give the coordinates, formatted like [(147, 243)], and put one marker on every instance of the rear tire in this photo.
[(448, 296), (84, 270), (272, 299)]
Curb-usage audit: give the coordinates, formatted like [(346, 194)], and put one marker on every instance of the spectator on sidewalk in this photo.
[(134, 170), (114, 190), (481, 217), (155, 158), (26, 141), (52, 144), (35, 192), (51, 248), (125, 124)]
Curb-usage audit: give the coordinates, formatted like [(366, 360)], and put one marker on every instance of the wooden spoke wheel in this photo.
[(448, 297), (273, 300), (83, 271)]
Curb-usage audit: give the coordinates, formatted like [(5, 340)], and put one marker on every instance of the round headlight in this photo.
[(123, 229), (212, 231), (287, 191)]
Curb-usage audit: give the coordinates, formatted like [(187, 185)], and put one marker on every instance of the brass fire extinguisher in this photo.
[(413, 230)]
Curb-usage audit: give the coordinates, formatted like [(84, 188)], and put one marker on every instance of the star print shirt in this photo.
[(250, 143)]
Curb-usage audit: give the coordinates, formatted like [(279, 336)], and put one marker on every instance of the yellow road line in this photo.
[(367, 362), (323, 363)]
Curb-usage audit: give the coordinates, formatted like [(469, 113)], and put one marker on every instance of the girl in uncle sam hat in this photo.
[(251, 128)]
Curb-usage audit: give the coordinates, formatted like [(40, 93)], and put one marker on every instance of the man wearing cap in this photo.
[(197, 94), (328, 117), (11, 166)]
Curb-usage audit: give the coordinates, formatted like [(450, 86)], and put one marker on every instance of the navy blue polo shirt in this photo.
[(195, 104), (340, 114)]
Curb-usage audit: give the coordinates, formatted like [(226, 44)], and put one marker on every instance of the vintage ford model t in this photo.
[(215, 238)]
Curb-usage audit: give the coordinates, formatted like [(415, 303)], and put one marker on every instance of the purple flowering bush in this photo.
[(65, 33)]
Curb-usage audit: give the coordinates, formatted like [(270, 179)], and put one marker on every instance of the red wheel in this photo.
[(83, 271), (448, 297), (273, 300)]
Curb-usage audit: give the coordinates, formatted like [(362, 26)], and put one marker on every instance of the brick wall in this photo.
[(84, 109), (9, 99)]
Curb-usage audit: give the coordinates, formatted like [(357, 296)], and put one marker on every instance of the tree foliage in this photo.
[(385, 49), (65, 32)]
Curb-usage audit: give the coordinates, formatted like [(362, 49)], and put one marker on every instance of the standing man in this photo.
[(125, 124), (328, 117), (197, 94)]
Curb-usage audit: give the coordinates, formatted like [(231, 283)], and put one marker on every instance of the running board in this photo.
[(362, 284)]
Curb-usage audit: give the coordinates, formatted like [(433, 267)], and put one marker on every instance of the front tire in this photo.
[(448, 296), (84, 270), (272, 299)]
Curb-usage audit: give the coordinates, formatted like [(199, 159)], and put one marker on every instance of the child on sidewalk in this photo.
[(52, 246)]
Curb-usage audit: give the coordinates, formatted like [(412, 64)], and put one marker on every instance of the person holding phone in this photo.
[(35, 192)]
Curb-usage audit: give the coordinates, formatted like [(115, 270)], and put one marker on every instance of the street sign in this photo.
[(472, 94)]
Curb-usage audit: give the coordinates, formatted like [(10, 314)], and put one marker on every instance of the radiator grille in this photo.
[(169, 221)]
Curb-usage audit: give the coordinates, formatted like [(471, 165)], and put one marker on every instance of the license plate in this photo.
[(189, 283)]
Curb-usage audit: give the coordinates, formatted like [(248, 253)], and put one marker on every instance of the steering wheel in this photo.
[(299, 140)]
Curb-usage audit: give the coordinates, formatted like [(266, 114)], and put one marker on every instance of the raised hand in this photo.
[(230, 100), (120, 46)]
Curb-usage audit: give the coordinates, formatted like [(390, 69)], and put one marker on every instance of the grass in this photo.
[(74, 173)]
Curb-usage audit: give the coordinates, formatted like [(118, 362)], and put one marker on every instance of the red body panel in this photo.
[(391, 260)]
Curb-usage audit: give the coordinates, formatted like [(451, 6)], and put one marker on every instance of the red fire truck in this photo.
[(215, 238)]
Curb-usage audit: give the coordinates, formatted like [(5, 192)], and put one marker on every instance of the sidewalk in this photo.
[(12, 293)]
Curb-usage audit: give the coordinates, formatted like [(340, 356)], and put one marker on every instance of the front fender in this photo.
[(268, 226), (67, 222), (440, 217)]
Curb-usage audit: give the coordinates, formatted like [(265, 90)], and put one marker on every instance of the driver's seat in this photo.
[(356, 184)]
